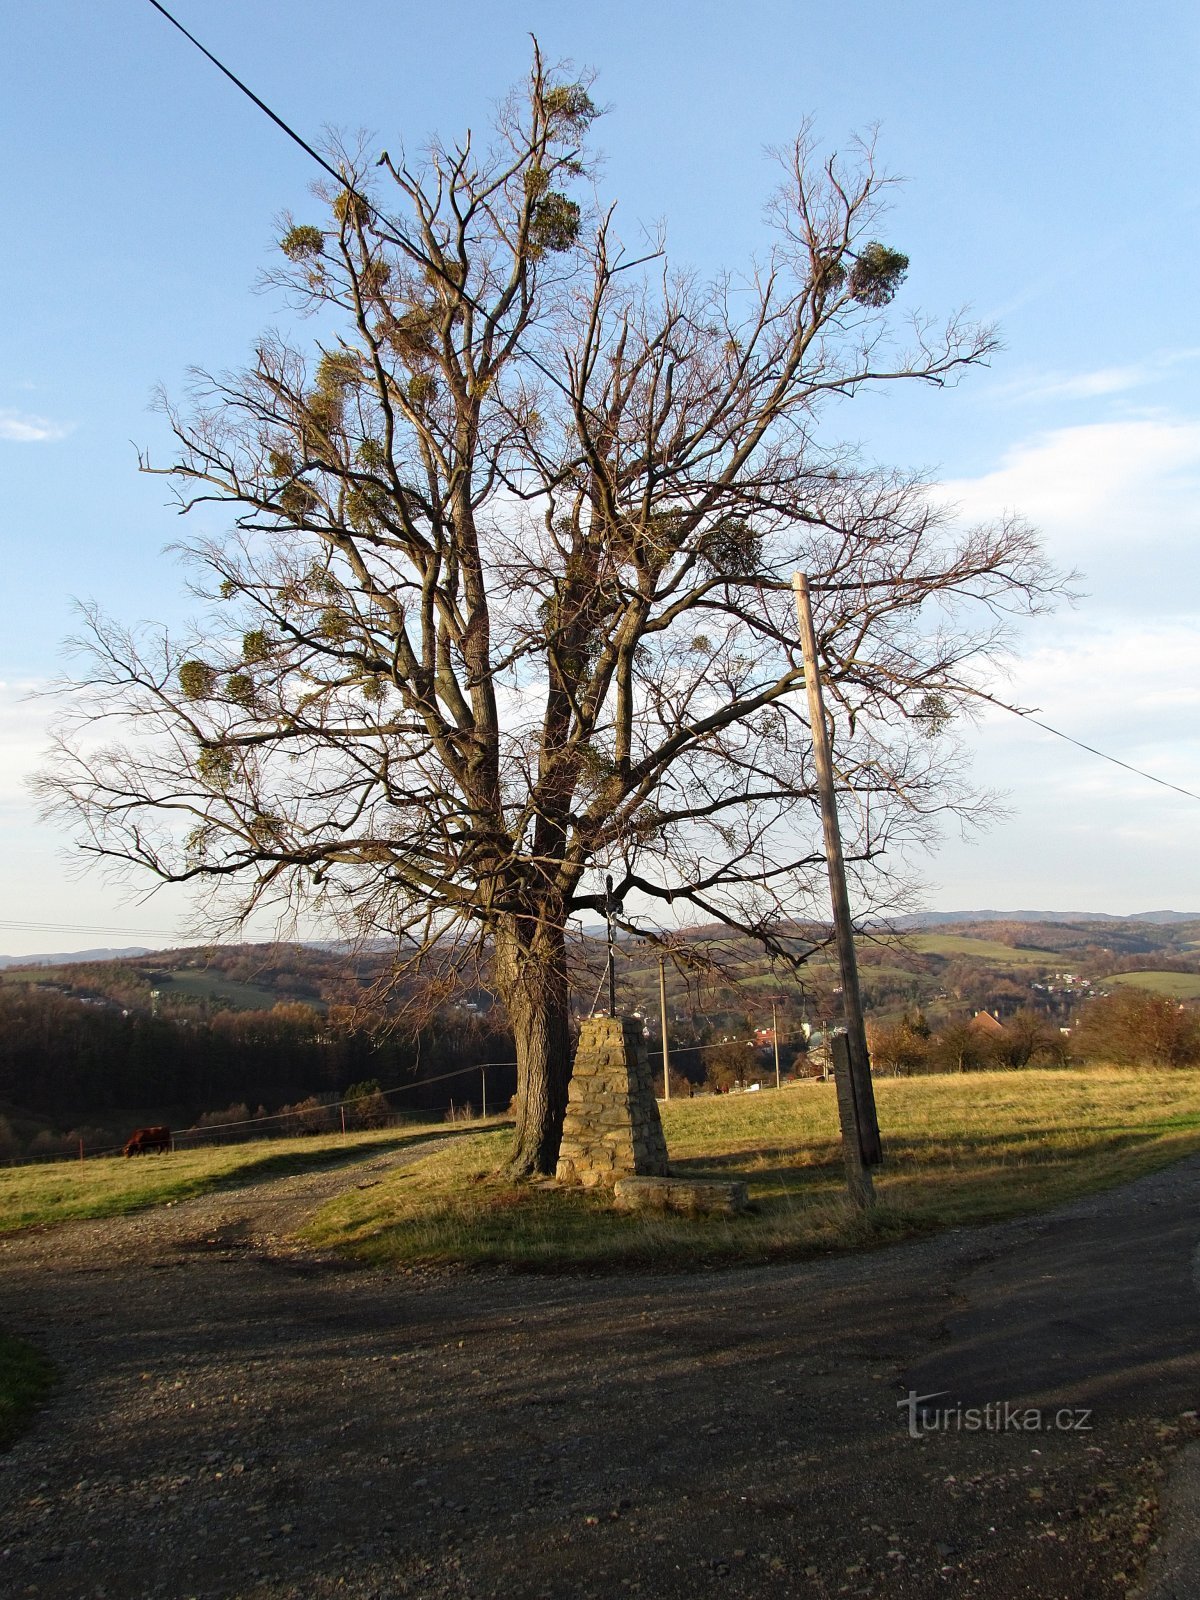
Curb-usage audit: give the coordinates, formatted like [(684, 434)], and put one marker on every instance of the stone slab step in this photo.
[(693, 1197)]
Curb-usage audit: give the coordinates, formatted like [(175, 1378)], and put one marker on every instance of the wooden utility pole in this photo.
[(865, 1127), (858, 1175), (662, 1022), (775, 1040)]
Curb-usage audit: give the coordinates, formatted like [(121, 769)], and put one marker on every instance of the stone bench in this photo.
[(691, 1197)]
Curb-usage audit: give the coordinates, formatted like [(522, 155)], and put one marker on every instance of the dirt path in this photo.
[(242, 1418)]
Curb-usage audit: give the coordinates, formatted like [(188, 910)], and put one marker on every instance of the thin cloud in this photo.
[(1097, 489), (1091, 385), (24, 735), (22, 427), (1097, 384)]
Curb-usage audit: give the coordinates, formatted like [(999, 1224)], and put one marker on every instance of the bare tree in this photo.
[(506, 600)]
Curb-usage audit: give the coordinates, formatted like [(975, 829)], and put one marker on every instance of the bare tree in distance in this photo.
[(506, 600)]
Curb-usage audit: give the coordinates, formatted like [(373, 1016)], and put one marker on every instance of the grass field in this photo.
[(26, 1377), (1177, 985), (188, 984), (196, 983), (955, 944), (959, 1149), (58, 1191)]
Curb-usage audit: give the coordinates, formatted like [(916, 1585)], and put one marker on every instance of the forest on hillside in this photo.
[(185, 1033)]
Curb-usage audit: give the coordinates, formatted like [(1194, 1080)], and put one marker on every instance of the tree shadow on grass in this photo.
[(933, 1171), (292, 1162)]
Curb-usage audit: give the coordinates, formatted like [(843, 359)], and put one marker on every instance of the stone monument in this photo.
[(612, 1128)]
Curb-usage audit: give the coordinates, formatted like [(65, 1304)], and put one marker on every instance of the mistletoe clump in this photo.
[(302, 242), (571, 105), (877, 274), (196, 680), (554, 224)]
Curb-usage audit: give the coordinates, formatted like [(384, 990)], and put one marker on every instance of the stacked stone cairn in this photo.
[(612, 1127), (612, 1133)]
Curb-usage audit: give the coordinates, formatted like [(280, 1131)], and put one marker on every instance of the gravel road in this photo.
[(241, 1417)]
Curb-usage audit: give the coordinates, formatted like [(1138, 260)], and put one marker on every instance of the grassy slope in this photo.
[(25, 1379), (200, 983), (184, 984), (60, 1191), (1178, 985), (959, 1149), (986, 950)]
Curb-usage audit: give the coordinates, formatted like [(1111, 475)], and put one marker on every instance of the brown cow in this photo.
[(143, 1140)]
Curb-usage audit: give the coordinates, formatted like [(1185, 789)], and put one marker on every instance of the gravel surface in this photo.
[(242, 1417)]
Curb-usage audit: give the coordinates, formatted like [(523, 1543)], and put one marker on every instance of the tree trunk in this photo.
[(531, 973)]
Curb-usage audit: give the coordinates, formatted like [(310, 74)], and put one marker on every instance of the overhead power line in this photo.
[(262, 105), (1028, 716), (1092, 750), (406, 243), (83, 927), (389, 226), (390, 229)]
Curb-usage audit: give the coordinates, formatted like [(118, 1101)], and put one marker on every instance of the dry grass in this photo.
[(58, 1191), (1176, 985), (959, 1149)]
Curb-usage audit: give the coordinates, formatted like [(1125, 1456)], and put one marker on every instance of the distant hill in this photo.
[(63, 957), (929, 919), (177, 1032)]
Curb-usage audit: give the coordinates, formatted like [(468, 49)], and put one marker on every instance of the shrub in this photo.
[(960, 1048), (806, 1065), (239, 1115), (730, 1063), (901, 1049), (681, 1087), (313, 1115), (1134, 1028), (366, 1105), (1032, 1040)]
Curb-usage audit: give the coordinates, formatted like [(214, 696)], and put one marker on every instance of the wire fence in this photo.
[(285, 1124)]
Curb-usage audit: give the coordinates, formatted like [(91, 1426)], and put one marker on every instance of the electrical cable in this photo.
[(81, 927), (402, 239), (1091, 748), (390, 228), (262, 105), (1028, 716)]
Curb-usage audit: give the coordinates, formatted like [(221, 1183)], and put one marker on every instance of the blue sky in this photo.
[(1049, 159)]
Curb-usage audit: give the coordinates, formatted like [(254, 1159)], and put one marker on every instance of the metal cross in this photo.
[(611, 906)]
